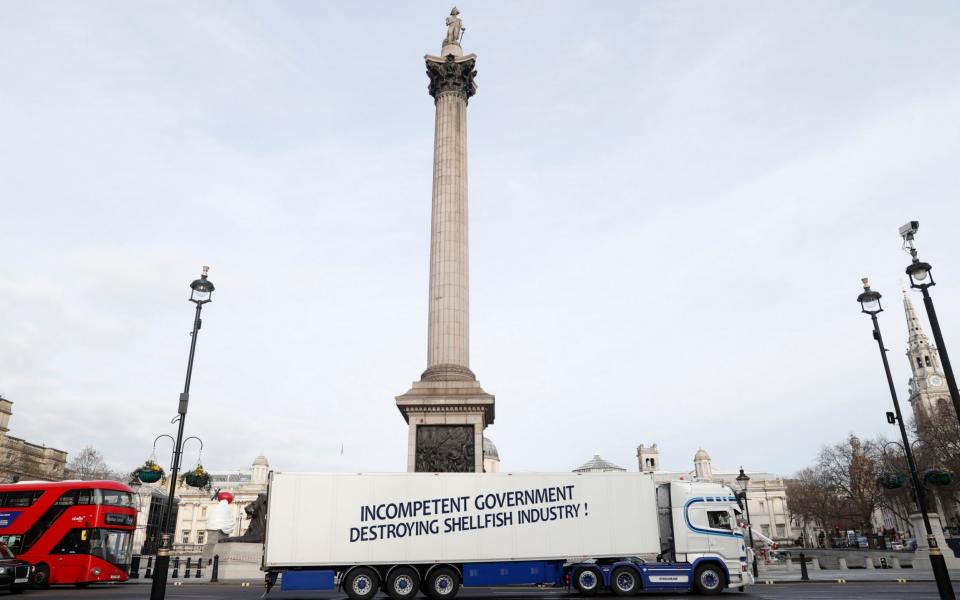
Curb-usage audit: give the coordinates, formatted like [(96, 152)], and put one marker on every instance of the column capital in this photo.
[(452, 74)]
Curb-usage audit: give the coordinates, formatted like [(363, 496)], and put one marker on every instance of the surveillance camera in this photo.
[(907, 231)]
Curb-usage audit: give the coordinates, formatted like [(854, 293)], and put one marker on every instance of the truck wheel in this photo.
[(403, 583), (443, 583), (708, 579), (624, 581), (362, 583), (587, 581)]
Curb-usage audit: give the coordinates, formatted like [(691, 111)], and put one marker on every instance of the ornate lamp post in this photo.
[(201, 293), (870, 304), (743, 480), (921, 278)]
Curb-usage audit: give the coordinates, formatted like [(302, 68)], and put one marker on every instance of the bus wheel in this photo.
[(587, 581), (624, 581), (403, 583), (708, 579), (41, 576), (443, 583), (362, 583)]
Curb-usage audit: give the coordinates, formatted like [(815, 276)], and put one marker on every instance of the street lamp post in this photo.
[(870, 304), (921, 278), (201, 292), (743, 480)]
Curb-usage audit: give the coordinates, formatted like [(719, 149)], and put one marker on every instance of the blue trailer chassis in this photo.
[(654, 577)]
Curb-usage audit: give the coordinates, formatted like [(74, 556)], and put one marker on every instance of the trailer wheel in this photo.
[(708, 579), (403, 583), (443, 583), (362, 583), (587, 581), (624, 581)]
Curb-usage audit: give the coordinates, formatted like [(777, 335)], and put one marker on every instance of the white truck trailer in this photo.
[(435, 532)]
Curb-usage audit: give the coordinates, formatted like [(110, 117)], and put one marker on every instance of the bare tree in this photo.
[(849, 469), (89, 464), (810, 500)]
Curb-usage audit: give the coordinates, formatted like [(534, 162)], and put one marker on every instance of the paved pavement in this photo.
[(832, 575), (199, 591)]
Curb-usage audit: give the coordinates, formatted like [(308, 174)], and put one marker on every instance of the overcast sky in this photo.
[(671, 204)]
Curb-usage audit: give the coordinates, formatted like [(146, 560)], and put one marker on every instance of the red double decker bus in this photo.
[(72, 532)]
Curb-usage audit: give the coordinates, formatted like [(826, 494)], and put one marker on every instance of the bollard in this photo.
[(135, 567), (804, 576), (213, 570), (843, 564), (199, 567), (149, 573), (186, 570), (176, 567), (869, 563)]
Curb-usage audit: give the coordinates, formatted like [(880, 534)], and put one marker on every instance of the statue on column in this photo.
[(455, 28)]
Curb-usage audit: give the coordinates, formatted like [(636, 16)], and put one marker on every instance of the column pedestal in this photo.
[(921, 558), (446, 420)]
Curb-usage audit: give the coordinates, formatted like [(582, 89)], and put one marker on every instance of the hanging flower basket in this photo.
[(150, 472), (197, 478), (938, 476), (892, 481)]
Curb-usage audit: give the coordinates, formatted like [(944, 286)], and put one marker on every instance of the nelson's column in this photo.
[(447, 409)]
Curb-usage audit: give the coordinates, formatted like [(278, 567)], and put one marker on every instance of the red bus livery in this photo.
[(72, 532)]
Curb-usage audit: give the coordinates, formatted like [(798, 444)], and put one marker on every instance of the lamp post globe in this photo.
[(743, 480), (869, 300), (201, 290)]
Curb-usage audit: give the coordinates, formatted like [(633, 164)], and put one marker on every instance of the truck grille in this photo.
[(22, 571)]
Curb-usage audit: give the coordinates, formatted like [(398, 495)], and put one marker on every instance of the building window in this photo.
[(780, 531), (919, 363), (761, 504), (926, 359), (186, 536), (765, 529), (201, 535)]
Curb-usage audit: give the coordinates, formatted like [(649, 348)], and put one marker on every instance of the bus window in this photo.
[(115, 498), (113, 546), (85, 496), (77, 541), (20, 499)]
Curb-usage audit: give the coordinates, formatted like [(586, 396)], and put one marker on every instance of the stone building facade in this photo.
[(195, 505), (23, 461)]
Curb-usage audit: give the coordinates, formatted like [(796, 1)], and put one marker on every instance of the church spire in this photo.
[(927, 386), (915, 332)]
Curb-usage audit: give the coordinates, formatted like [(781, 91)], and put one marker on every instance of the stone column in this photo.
[(448, 329), (447, 410)]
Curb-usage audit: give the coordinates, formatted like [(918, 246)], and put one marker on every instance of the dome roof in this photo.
[(261, 461), (701, 455), (597, 464), (490, 449)]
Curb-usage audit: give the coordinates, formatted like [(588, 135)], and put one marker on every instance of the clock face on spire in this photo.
[(935, 381)]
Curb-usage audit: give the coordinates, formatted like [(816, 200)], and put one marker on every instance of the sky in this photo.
[(671, 208)]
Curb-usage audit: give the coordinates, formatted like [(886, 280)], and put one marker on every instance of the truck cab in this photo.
[(703, 520)]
